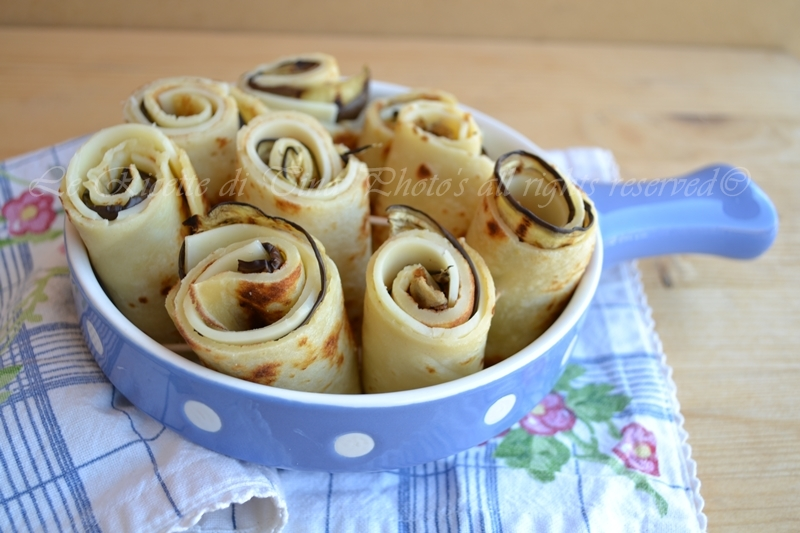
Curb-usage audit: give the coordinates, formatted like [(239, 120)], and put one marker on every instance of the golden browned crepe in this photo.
[(536, 232), (201, 116), (309, 83), (428, 307), (291, 168), (261, 301), (380, 119), (127, 191), (436, 165)]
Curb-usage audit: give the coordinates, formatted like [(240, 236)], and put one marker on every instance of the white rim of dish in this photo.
[(84, 276)]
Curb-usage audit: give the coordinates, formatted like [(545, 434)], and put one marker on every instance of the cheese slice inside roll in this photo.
[(536, 231), (127, 191), (428, 307), (261, 301)]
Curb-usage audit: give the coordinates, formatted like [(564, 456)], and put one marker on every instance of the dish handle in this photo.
[(717, 210)]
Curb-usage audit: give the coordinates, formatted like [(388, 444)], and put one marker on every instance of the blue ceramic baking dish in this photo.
[(717, 210)]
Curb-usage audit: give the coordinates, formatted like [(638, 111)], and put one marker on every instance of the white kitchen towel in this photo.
[(605, 451), (75, 455)]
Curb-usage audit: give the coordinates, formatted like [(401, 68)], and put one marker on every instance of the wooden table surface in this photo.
[(731, 330)]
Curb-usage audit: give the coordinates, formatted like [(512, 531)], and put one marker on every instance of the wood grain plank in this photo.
[(722, 22)]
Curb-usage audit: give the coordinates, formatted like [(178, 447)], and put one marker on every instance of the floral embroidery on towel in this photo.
[(573, 416), (7, 375), (29, 216)]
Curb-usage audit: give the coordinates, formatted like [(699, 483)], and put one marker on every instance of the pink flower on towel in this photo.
[(637, 449), (549, 417), (29, 213)]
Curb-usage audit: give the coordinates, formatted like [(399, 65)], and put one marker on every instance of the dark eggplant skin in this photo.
[(348, 110), (258, 266), (110, 212), (502, 190)]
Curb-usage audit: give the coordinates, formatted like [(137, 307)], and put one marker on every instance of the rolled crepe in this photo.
[(309, 83), (127, 192), (436, 166), (261, 301), (428, 306), (536, 231), (291, 168), (201, 116), (380, 119)]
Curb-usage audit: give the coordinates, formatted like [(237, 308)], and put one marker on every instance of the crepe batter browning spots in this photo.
[(186, 105), (264, 304)]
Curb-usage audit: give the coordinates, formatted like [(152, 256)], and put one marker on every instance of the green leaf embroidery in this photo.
[(7, 375), (640, 481), (613, 431), (570, 372), (516, 447), (32, 238), (592, 402), (541, 456), (661, 503), (25, 311), (549, 455), (13, 179)]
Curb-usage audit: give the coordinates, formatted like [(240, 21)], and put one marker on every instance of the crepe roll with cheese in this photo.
[(536, 231), (127, 191), (260, 300), (428, 307)]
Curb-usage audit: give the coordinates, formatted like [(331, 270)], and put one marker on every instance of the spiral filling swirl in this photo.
[(122, 182), (427, 274), (294, 154), (290, 160), (226, 302), (181, 105)]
